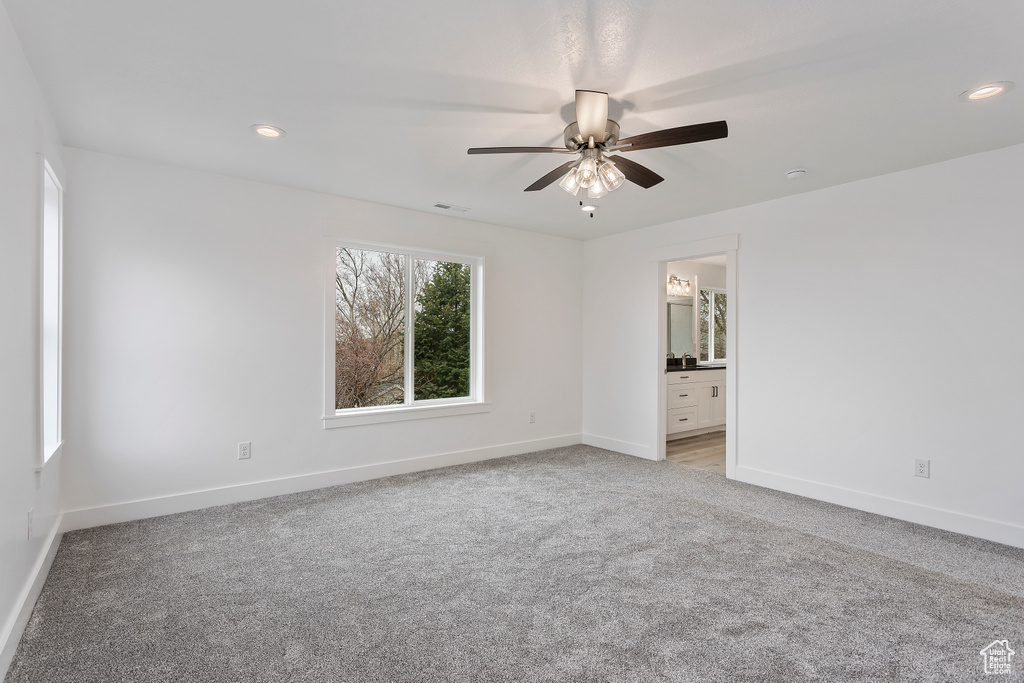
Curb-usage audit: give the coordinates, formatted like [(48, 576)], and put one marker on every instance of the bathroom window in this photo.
[(713, 304)]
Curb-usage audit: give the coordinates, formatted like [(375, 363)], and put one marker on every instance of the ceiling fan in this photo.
[(592, 135)]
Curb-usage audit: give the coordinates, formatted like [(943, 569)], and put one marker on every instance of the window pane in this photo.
[(720, 302), (705, 318), (51, 315), (441, 332), (369, 362)]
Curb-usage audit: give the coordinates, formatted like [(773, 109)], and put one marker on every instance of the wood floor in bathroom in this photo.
[(704, 451)]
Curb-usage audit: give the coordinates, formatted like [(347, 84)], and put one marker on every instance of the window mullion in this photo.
[(474, 393), (711, 332), (711, 329), (409, 341)]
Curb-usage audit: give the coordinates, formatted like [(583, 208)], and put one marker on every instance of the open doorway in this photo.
[(696, 358)]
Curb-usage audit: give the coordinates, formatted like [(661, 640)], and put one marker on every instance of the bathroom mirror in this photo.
[(680, 326)]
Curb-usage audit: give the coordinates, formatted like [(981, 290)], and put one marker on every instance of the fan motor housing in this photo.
[(574, 141)]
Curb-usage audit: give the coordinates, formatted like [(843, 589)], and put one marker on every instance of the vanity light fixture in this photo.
[(677, 287), (267, 131)]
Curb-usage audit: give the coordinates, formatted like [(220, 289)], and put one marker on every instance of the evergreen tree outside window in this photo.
[(442, 330)]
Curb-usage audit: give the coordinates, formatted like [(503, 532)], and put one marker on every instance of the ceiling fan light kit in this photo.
[(592, 135)]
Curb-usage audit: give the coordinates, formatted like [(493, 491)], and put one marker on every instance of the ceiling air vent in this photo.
[(451, 207)]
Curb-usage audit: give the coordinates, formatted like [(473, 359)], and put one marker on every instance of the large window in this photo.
[(712, 325), (406, 329), (51, 315)]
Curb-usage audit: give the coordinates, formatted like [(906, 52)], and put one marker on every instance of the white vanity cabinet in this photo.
[(695, 400), (682, 404)]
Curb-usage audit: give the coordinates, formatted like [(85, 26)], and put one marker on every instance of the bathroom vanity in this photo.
[(695, 399)]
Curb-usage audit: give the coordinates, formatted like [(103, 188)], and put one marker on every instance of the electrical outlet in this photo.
[(922, 468), (244, 450), (533, 417), (30, 525)]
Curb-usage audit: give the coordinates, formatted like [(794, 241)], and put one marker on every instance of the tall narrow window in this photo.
[(405, 328), (51, 299), (712, 325)]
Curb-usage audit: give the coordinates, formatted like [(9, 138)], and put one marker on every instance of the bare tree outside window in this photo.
[(369, 364), (712, 325)]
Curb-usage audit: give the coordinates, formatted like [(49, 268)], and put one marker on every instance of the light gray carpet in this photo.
[(573, 564)]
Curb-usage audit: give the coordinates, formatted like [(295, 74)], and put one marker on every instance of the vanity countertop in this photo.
[(682, 368)]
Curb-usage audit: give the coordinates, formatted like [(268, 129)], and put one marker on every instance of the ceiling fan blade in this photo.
[(552, 176), (592, 113), (635, 173), (519, 150), (682, 135)]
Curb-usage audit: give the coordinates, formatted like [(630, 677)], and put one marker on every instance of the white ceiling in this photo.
[(382, 98)]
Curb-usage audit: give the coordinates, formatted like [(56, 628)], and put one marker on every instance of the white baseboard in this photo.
[(18, 620), (980, 527), (195, 500), (694, 432), (626, 447)]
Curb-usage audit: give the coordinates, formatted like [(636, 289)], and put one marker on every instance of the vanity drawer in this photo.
[(681, 396), (683, 377), (681, 419)]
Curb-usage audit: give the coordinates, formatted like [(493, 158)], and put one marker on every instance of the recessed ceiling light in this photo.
[(986, 91), (796, 174), (267, 130)]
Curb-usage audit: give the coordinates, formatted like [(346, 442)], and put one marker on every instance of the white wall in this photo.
[(861, 314), (708, 274), (195, 318), (29, 131)]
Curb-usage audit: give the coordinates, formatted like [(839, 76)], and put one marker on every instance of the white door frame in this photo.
[(660, 258)]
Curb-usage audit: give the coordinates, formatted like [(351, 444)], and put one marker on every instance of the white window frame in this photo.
[(412, 409), (711, 326), (51, 360)]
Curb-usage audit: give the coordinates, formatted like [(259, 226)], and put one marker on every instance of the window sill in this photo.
[(401, 413)]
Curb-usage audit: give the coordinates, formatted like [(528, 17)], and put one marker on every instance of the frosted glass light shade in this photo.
[(571, 182), (587, 172), (611, 176)]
